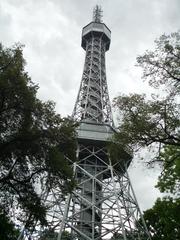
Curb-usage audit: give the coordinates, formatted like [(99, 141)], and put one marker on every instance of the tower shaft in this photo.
[(93, 102)]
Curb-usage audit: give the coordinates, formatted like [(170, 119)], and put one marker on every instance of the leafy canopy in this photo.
[(144, 122), (35, 143), (7, 228), (154, 123), (163, 219), (52, 235), (169, 180), (161, 66)]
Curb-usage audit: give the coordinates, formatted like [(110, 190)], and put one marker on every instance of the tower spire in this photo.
[(97, 14)]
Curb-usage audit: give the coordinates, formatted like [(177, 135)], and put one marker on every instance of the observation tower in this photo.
[(104, 204)]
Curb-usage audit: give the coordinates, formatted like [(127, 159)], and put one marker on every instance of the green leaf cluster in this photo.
[(144, 122), (154, 123), (169, 180), (50, 234), (37, 145), (162, 66), (163, 219), (7, 227)]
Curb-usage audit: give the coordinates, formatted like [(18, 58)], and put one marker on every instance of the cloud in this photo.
[(143, 181)]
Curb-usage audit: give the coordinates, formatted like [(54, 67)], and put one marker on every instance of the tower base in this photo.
[(103, 204)]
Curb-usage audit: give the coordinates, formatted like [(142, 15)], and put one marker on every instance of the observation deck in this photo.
[(96, 29)]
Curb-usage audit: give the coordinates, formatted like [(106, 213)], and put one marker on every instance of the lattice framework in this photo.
[(93, 99)]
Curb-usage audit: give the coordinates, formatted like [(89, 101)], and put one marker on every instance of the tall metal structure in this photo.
[(103, 205), (93, 103)]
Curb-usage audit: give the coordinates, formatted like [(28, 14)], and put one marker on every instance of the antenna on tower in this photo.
[(97, 14)]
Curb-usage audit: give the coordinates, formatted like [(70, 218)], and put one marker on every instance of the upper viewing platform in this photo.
[(96, 28)]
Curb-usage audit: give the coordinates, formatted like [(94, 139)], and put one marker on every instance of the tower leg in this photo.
[(103, 205)]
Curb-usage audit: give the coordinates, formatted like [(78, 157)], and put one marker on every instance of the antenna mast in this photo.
[(97, 14)]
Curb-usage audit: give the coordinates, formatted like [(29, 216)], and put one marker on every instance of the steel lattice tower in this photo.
[(103, 205)]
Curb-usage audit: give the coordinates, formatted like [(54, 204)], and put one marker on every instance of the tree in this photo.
[(35, 142), (145, 122), (154, 123), (7, 228), (169, 180), (163, 219)]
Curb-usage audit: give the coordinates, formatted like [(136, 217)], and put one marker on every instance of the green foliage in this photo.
[(35, 142), (118, 153), (163, 219), (144, 122), (130, 235), (50, 234), (169, 180), (155, 123), (162, 66), (7, 228), (66, 236)]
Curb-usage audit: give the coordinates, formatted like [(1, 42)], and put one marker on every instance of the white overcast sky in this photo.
[(51, 32)]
